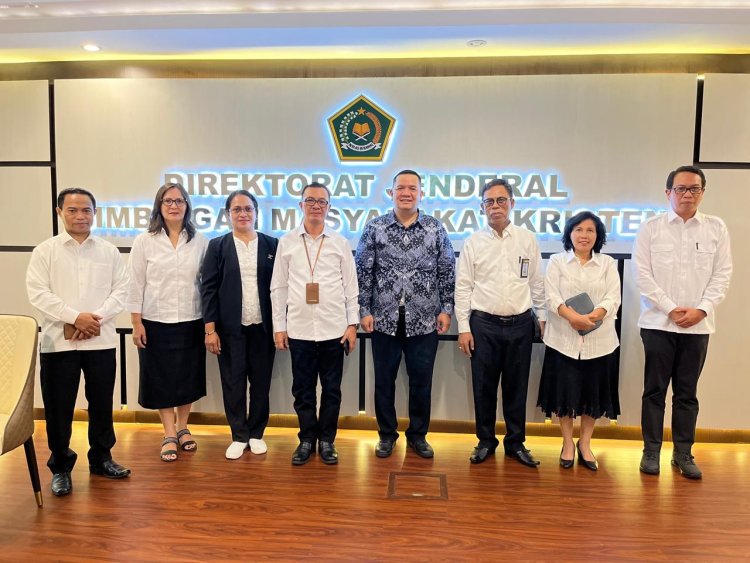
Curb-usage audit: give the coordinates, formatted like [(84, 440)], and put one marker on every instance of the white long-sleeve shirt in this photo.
[(65, 279), (490, 276), (336, 276), (681, 264), (566, 277), (247, 256), (164, 280)]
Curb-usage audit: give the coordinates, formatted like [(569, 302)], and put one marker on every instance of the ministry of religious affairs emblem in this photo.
[(361, 130)]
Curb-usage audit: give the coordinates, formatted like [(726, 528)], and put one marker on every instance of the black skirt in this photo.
[(173, 364), (572, 387)]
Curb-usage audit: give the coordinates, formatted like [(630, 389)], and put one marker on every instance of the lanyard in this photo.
[(307, 254)]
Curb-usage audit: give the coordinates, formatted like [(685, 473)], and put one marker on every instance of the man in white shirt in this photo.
[(499, 280), (315, 313), (79, 283), (683, 264)]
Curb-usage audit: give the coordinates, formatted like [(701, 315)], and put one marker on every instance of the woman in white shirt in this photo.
[(236, 290), (579, 377), (165, 309)]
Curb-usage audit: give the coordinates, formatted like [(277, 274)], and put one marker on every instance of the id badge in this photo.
[(312, 293), (525, 268)]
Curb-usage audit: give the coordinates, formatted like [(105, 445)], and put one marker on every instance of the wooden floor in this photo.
[(206, 508)]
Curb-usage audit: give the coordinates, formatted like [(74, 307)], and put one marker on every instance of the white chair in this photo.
[(18, 341)]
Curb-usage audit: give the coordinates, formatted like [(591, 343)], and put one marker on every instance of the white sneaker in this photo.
[(235, 450), (257, 446)]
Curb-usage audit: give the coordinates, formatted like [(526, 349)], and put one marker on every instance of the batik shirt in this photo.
[(413, 266)]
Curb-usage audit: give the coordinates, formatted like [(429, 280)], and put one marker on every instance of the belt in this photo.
[(497, 319)]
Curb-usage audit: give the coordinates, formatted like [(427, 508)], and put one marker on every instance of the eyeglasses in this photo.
[(682, 190), (239, 210), (311, 202), (489, 202), (169, 202)]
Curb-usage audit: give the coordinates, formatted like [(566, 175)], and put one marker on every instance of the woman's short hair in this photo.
[(577, 219)]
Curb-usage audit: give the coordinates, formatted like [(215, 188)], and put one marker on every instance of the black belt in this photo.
[(497, 319)]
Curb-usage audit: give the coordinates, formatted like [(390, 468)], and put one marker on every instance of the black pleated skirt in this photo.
[(573, 388), (173, 364)]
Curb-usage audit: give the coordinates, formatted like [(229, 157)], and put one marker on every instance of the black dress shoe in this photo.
[(422, 448), (566, 463), (61, 484), (524, 457), (110, 469), (328, 453), (592, 465), (384, 448), (302, 454), (480, 454)]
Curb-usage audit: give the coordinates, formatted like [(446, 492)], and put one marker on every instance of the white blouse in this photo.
[(165, 281), (247, 256), (566, 277)]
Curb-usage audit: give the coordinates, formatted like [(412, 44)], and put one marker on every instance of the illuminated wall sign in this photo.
[(361, 130), (542, 202)]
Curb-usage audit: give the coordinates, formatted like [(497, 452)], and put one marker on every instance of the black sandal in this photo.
[(187, 445), (165, 455)]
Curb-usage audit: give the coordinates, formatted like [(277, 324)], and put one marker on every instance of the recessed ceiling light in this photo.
[(91, 48), (476, 43)]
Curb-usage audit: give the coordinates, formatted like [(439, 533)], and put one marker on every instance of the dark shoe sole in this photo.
[(514, 457), (648, 471), (380, 454), (62, 493), (102, 474), (330, 461), (686, 475), (300, 461), (428, 455)]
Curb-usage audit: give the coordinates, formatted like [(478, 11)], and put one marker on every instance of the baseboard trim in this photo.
[(361, 422)]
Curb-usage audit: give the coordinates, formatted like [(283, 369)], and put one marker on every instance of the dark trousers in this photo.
[(502, 355), (246, 358), (677, 357), (60, 377), (311, 360), (419, 356)]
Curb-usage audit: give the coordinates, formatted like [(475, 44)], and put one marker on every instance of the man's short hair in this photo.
[(80, 191), (688, 168), (316, 185), (407, 171), (497, 182)]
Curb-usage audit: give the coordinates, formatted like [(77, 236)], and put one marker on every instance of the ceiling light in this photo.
[(476, 43), (91, 48)]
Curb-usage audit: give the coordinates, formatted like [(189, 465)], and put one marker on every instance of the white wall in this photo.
[(610, 138)]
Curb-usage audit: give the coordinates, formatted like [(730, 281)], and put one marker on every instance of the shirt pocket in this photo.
[(662, 256), (704, 256), (101, 276)]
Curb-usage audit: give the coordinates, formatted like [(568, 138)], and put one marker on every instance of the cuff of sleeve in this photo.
[(463, 326), (541, 314), (352, 317), (705, 306), (363, 312), (554, 306), (279, 326), (667, 305), (69, 315), (447, 308)]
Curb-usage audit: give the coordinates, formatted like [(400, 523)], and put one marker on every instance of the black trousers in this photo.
[(246, 358), (312, 360), (679, 358), (60, 377), (502, 355), (419, 356)]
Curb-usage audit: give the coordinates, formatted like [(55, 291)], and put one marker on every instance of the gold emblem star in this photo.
[(361, 111)]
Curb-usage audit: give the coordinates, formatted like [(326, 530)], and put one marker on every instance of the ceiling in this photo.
[(49, 30)]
